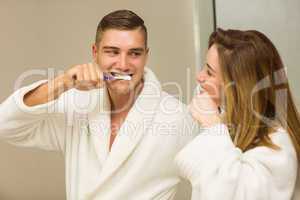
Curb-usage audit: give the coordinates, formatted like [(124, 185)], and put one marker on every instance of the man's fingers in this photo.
[(86, 72), (79, 75), (93, 74), (85, 77), (98, 71)]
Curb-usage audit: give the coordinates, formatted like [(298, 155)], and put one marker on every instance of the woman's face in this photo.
[(210, 77)]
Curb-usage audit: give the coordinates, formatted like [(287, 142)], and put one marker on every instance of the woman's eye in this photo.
[(209, 73)]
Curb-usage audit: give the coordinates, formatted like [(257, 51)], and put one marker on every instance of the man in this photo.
[(119, 137)]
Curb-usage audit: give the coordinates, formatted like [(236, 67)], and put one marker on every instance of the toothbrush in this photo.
[(116, 77)]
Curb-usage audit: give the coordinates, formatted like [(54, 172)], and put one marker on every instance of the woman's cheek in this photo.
[(209, 88), (213, 91)]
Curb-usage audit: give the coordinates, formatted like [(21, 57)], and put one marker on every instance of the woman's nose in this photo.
[(200, 77)]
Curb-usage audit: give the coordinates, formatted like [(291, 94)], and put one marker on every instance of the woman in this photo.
[(250, 145)]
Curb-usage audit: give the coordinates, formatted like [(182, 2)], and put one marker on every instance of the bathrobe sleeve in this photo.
[(219, 170), (42, 126)]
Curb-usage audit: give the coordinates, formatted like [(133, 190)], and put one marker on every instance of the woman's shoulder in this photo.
[(282, 139), (281, 159)]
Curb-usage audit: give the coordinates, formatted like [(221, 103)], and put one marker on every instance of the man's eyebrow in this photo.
[(137, 49), (210, 67), (140, 49), (110, 47)]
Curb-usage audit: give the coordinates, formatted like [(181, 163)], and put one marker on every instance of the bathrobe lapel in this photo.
[(99, 125), (137, 122)]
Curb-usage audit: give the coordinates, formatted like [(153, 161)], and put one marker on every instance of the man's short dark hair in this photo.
[(121, 20)]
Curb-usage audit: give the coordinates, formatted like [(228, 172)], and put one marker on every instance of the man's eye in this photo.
[(135, 54), (111, 53)]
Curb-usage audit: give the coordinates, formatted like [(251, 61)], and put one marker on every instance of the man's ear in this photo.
[(147, 52), (95, 52)]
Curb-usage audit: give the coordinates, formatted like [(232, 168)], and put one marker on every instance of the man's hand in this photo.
[(82, 77)]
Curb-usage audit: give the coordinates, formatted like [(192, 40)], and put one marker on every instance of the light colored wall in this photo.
[(36, 34), (203, 27), (278, 19)]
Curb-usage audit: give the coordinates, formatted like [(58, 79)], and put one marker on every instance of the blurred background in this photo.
[(41, 34)]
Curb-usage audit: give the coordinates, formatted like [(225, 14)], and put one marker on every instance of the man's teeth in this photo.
[(121, 76)]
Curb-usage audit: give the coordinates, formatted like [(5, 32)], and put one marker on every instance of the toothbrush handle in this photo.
[(107, 77)]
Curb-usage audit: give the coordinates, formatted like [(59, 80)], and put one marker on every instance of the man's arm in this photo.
[(34, 116)]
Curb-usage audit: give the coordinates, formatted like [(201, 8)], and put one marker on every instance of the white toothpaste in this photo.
[(122, 77), (116, 77)]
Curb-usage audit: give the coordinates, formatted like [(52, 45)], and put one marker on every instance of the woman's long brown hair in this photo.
[(257, 93)]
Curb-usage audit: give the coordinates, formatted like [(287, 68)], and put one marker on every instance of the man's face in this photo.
[(124, 52)]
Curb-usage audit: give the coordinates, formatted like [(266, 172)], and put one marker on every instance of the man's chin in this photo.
[(124, 87), (121, 89)]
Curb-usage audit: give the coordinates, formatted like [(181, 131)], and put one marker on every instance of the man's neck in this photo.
[(122, 103)]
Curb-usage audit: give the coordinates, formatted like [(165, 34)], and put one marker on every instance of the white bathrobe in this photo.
[(218, 170), (140, 164)]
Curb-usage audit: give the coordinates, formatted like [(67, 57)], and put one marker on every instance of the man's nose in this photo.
[(123, 63)]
